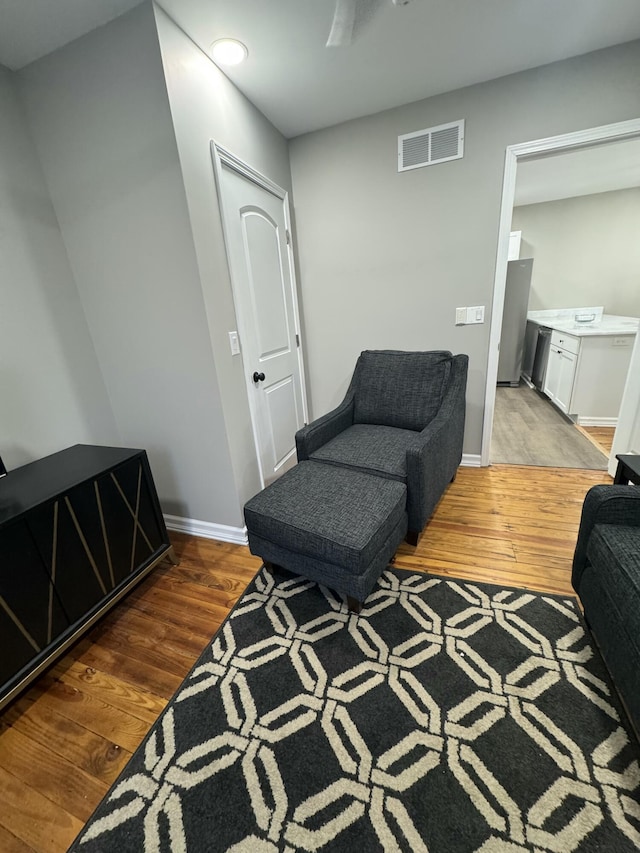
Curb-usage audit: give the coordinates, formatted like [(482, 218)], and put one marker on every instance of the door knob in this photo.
[(258, 377)]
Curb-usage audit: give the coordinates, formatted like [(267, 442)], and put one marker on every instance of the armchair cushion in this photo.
[(606, 576), (400, 389), (618, 548), (603, 504), (338, 517), (322, 430), (380, 450), (400, 402)]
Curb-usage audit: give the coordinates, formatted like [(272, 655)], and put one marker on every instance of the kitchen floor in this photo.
[(529, 430)]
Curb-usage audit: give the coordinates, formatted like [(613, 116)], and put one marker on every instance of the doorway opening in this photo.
[(542, 177)]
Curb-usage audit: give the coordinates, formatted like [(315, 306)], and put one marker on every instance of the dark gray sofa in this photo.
[(606, 576), (402, 418)]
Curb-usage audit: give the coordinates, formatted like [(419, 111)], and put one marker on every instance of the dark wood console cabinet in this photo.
[(78, 529)]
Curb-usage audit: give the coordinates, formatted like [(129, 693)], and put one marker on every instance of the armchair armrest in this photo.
[(311, 437), (604, 505), (434, 457)]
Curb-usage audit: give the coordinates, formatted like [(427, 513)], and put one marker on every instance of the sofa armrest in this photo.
[(604, 504), (434, 457), (313, 436)]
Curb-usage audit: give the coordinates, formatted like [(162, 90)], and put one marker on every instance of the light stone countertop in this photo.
[(610, 324)]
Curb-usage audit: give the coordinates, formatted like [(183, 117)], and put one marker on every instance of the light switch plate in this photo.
[(475, 314), (469, 316), (234, 343)]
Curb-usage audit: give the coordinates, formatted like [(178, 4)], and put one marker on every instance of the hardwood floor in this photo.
[(602, 437), (64, 741)]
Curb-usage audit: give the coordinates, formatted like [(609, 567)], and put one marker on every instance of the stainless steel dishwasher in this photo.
[(541, 357)]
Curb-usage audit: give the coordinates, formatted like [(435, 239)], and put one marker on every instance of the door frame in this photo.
[(565, 142), (222, 157), (629, 416)]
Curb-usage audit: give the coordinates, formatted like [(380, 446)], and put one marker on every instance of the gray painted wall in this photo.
[(385, 258), (51, 390), (586, 251), (101, 120), (205, 105)]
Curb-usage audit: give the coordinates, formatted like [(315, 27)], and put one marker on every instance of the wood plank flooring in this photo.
[(64, 741), (602, 437), (529, 430)]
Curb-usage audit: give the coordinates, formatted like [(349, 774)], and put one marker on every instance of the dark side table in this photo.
[(78, 529), (628, 470)]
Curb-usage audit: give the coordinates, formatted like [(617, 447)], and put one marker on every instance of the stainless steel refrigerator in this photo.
[(514, 321)]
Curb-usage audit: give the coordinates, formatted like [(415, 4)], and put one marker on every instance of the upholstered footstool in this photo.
[(333, 525)]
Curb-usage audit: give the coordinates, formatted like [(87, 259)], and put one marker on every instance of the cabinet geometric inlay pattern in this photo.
[(77, 530)]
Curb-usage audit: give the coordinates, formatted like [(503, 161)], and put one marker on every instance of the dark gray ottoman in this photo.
[(333, 525)]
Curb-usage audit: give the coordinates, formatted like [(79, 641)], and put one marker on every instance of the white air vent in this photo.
[(433, 145)]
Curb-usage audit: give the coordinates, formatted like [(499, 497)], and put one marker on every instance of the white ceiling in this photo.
[(598, 169), (398, 55)]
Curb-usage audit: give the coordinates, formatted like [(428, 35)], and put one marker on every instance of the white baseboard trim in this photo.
[(207, 529), (602, 422), (471, 460)]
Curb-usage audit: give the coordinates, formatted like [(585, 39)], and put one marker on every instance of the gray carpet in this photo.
[(529, 430), (448, 717)]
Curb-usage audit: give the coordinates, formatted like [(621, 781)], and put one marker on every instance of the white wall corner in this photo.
[(207, 529), (471, 460)]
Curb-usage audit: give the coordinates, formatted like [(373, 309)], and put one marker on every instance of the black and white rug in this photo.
[(447, 717)]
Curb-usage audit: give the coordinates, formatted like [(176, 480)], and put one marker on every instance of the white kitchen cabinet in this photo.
[(561, 370), (585, 376), (552, 374)]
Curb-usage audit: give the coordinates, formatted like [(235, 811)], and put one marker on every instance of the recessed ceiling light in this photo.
[(229, 51)]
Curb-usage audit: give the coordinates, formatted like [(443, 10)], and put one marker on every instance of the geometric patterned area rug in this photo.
[(446, 717)]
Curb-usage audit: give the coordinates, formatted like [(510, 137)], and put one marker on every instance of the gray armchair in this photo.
[(402, 418), (606, 576)]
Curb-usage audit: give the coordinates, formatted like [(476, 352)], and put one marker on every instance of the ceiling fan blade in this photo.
[(344, 18)]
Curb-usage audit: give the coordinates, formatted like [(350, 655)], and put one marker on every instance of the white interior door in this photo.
[(627, 435), (256, 225)]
